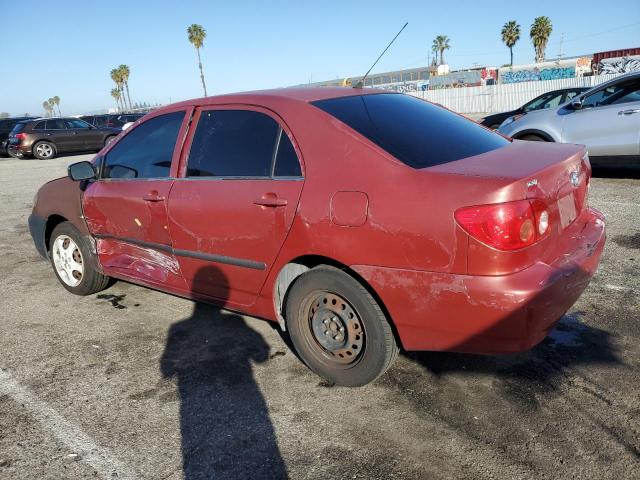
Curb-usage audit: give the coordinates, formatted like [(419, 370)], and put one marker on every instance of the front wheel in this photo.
[(73, 262), (109, 139), (532, 138), (44, 150), (338, 328)]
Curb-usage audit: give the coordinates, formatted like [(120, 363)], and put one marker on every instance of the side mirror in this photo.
[(81, 171), (576, 103)]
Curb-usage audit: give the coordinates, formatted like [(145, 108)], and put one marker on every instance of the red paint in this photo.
[(391, 225)]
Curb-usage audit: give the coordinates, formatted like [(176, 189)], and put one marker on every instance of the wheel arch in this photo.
[(534, 131), (52, 222), (293, 269)]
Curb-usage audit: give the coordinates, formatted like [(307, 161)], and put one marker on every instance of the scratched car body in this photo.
[(361, 221)]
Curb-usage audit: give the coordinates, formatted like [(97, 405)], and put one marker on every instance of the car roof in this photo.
[(300, 94)]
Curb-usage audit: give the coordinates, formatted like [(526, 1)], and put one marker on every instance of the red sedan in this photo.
[(361, 221)]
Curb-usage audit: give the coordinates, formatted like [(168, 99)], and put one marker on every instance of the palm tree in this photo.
[(116, 76), (124, 75), (197, 34), (510, 35), (115, 93), (440, 44), (56, 101), (47, 108), (540, 33), (51, 105)]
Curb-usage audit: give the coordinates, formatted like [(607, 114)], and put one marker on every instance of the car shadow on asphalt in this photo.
[(224, 420), (522, 377)]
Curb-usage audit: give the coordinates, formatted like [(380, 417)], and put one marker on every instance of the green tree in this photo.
[(540, 32), (115, 93), (116, 76), (196, 35), (440, 44), (47, 108), (510, 36), (56, 101), (124, 76)]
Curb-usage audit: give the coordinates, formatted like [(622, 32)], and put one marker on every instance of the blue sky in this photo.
[(68, 50)]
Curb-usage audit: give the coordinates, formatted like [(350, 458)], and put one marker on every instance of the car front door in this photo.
[(234, 202), (608, 122), (126, 208)]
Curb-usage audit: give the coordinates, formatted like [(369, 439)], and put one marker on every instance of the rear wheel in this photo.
[(532, 138), (338, 328), (44, 150), (73, 262)]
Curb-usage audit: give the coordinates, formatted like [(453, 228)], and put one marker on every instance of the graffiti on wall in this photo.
[(620, 65), (537, 74)]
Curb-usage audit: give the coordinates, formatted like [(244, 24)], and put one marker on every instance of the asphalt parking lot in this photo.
[(134, 383)]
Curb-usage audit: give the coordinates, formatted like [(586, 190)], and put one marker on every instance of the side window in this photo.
[(232, 143), (39, 126), (56, 124), (570, 95), (76, 123), (146, 151), (287, 163), (538, 103)]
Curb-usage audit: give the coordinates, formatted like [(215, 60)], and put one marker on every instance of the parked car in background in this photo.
[(605, 118), (44, 138), (354, 218), (6, 125), (112, 120), (546, 100)]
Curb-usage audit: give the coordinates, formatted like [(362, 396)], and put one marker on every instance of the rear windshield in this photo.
[(415, 132), (18, 128)]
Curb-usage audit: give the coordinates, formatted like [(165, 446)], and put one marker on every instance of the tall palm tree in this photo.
[(510, 35), (47, 108), (124, 75), (197, 34), (540, 32), (52, 105), (116, 76), (56, 101), (115, 93), (440, 44)]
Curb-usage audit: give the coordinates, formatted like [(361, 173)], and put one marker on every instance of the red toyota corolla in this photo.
[(361, 221)]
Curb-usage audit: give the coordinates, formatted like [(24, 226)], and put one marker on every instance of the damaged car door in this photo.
[(126, 208), (234, 201)]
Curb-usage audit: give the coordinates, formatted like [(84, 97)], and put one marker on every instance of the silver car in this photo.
[(605, 118)]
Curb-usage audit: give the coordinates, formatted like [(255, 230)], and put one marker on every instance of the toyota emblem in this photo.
[(575, 178)]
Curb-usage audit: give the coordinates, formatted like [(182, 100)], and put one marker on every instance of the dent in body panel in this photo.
[(149, 263)]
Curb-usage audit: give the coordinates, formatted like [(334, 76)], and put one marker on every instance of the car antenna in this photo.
[(360, 82)]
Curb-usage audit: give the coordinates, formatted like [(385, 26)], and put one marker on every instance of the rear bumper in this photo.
[(490, 314), (37, 227)]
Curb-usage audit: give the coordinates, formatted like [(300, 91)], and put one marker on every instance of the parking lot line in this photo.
[(72, 436)]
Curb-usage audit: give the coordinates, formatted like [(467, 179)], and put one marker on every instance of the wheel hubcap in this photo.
[(67, 260), (44, 150), (336, 327)]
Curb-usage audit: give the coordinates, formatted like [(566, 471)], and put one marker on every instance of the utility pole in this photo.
[(560, 55)]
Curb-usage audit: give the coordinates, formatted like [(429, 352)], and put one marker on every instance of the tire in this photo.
[(320, 303), (109, 139), (43, 150), (73, 262), (532, 138)]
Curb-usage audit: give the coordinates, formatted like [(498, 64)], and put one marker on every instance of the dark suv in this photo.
[(6, 125), (44, 138), (112, 120)]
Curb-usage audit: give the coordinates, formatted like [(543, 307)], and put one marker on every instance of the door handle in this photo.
[(153, 196), (270, 200), (631, 111)]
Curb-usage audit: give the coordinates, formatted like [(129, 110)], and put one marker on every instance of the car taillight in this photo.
[(21, 136), (506, 226)]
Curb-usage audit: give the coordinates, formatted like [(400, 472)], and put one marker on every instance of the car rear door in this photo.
[(56, 131), (608, 122), (126, 208), (234, 201)]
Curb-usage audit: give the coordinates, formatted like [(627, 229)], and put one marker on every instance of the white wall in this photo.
[(500, 98)]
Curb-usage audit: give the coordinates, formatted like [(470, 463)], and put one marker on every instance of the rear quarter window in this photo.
[(415, 132)]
